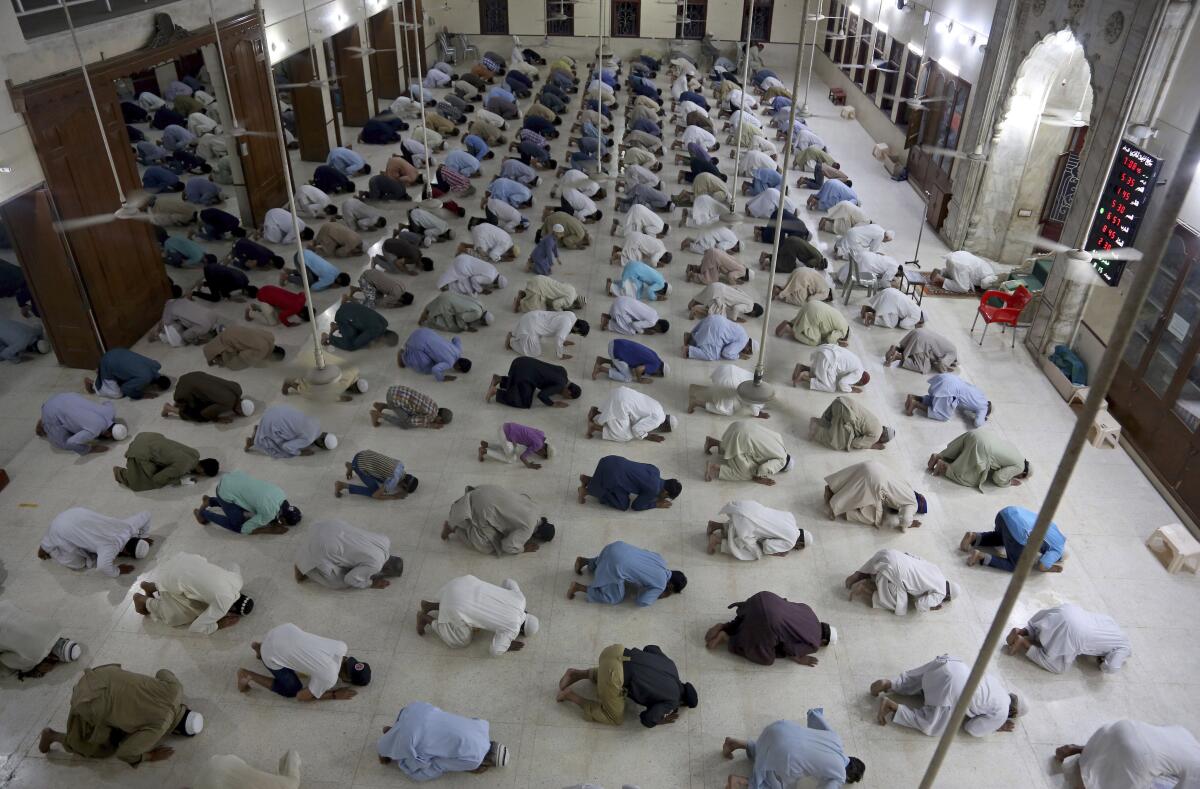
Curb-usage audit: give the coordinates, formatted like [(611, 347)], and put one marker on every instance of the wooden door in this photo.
[(352, 81), (311, 131), (53, 279), (267, 184), (385, 74)]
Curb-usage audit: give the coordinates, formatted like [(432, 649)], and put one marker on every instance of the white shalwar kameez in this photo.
[(467, 603), (722, 238), (834, 369), (311, 201), (533, 326), (754, 531), (277, 227), (756, 160), (25, 639), (870, 264), (200, 124), (287, 646), (508, 218), (191, 586), (628, 415), (468, 275), (338, 555), (965, 272), (845, 215), (637, 174), (432, 227), (686, 108), (726, 300), (766, 202), (722, 394), (696, 134), (641, 219), (579, 180), (83, 540), (869, 236), (897, 575), (941, 682), (1067, 631), (745, 118), (631, 316), (490, 241), (581, 204), (1127, 754), (639, 246), (228, 771), (705, 210), (894, 310)]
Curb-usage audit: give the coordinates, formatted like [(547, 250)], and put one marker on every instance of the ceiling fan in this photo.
[(1059, 116), (361, 52), (1079, 262), (980, 154), (915, 102)]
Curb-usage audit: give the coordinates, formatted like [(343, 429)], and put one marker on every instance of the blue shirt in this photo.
[(716, 337), (132, 371), (476, 145), (646, 279), (786, 752), (201, 191), (510, 191), (426, 742), (516, 170), (497, 91), (544, 254), (191, 253), (833, 192), (158, 179), (426, 351), (1020, 523), (324, 271), (620, 563), (345, 161), (636, 355), (462, 162), (72, 421), (148, 152)]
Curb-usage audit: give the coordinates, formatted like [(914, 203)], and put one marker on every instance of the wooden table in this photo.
[(914, 284)]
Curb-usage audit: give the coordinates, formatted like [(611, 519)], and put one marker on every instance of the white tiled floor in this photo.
[(1109, 509)]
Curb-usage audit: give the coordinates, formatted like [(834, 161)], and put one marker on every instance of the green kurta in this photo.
[(847, 424), (155, 461), (453, 312), (817, 323), (545, 293), (977, 453), (115, 712), (750, 450), (574, 233)]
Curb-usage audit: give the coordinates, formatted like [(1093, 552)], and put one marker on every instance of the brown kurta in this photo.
[(239, 347), (805, 284), (203, 397), (115, 712), (336, 240), (574, 233)]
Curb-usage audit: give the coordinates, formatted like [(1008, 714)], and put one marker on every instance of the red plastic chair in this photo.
[(1006, 314)]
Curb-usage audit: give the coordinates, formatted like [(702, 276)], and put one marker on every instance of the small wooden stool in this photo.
[(1080, 396), (1175, 547), (1105, 431), (837, 96)]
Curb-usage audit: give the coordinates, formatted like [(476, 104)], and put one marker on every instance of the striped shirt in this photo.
[(420, 408), (490, 64), (457, 182), (529, 135), (387, 470)]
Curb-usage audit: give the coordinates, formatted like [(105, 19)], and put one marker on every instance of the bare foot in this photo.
[(243, 681), (714, 541), (710, 471), (376, 417), (580, 563), (967, 542), (446, 530), (976, 557), (887, 708), (338, 487), (483, 448), (880, 686), (46, 739), (728, 748)]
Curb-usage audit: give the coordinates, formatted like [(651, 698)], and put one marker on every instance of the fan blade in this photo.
[(1116, 253), (66, 225), (1041, 242), (933, 150)]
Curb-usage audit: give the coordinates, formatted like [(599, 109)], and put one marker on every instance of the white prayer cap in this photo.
[(833, 635), (119, 431), (500, 754), (666, 369), (807, 538), (791, 461), (532, 625), (501, 281), (558, 229), (193, 723), (362, 385), (330, 441), (247, 407), (43, 346), (66, 650), (488, 317), (427, 241), (668, 288), (549, 449), (1022, 705), (954, 589), (749, 274), (450, 233), (141, 549), (673, 421), (888, 235)]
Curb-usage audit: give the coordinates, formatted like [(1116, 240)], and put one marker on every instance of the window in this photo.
[(493, 17), (831, 27), (878, 58), (560, 18), (850, 29), (908, 87), (697, 15), (864, 51), (758, 12), (626, 18), (943, 121), (892, 78)]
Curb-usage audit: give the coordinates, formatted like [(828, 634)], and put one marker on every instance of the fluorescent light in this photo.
[(950, 66), (882, 27), (855, 9), (916, 50)]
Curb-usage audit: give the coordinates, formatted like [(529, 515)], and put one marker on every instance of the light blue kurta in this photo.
[(833, 192), (620, 563), (283, 431), (512, 192), (716, 337), (72, 421), (646, 280), (426, 742), (428, 352), (345, 161), (948, 393), (786, 752)]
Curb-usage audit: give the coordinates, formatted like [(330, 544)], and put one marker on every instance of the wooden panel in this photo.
[(267, 184), (414, 39), (356, 109), (385, 68), (309, 108), (52, 279)]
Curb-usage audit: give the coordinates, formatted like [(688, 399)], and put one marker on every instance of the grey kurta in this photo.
[(25, 639), (453, 312), (494, 519), (977, 454), (925, 350), (750, 450), (873, 494), (848, 424), (339, 555), (284, 432)]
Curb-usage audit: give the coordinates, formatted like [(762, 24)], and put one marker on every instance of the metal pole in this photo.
[(599, 93), (812, 52), (428, 190), (737, 151), (760, 366), (402, 38), (1158, 236), (283, 154), (212, 15)]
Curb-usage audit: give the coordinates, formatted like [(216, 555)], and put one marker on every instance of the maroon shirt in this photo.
[(767, 627)]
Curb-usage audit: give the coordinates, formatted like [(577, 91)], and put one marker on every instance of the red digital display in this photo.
[(1122, 206)]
